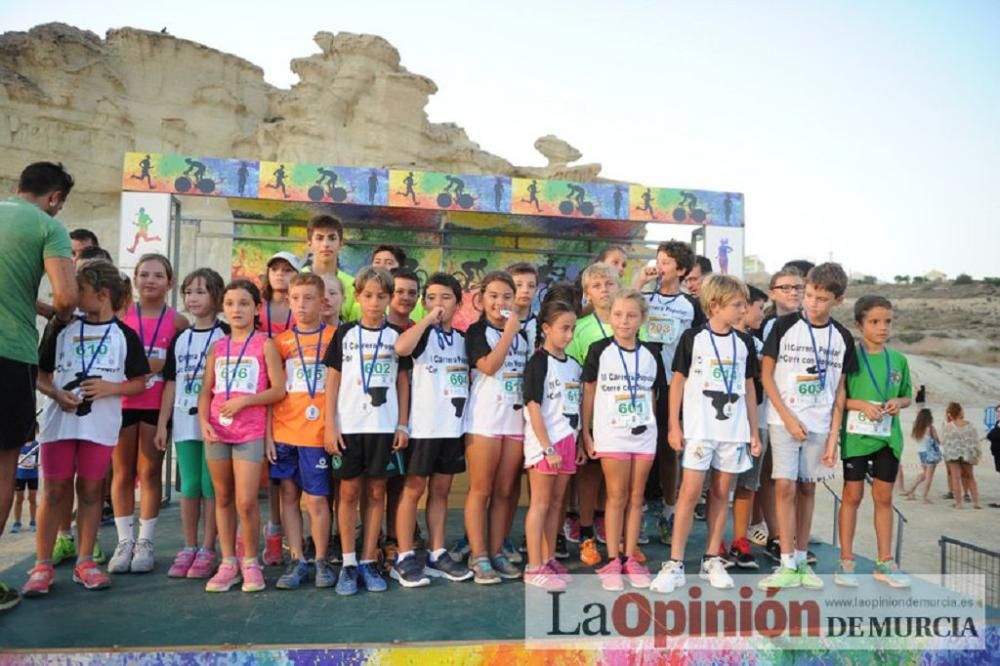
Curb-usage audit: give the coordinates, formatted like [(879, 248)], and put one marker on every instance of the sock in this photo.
[(679, 563), (586, 531), (350, 559), (147, 528), (249, 560), (124, 527), (405, 554), (230, 560), (273, 529), (668, 510), (788, 561), (39, 563), (84, 558), (366, 561), (800, 557), (191, 549), (436, 554)]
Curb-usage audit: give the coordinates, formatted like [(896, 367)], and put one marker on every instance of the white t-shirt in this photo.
[(669, 317), (440, 381), (185, 365), (808, 368), (110, 351), (554, 384), (627, 383), (715, 391), (378, 410), (530, 329), (495, 401)]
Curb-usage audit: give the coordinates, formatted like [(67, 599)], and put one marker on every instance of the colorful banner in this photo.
[(181, 174), (144, 226), (671, 206), (322, 183), (563, 198), (447, 191)]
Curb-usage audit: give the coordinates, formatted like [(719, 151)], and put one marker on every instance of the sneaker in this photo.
[(773, 550), (643, 536), (948, 495), (253, 576), (447, 568), (714, 571), (88, 574), (758, 534), (810, 557), (371, 578), (782, 578), (296, 573), (107, 515), (700, 511), (15, 528), (599, 529), (334, 551), (571, 529), (545, 579), (39, 580), (562, 549), (589, 554), (637, 573), (611, 576), (32, 526), (809, 579), (203, 565), (9, 597), (724, 556), (64, 549), (347, 582), (182, 563), (637, 555), (410, 573), (483, 572), (666, 527), (99, 555), (558, 569), (273, 554), (224, 579), (670, 578), (505, 567), (741, 555), (844, 576), (460, 550), (142, 558), (121, 559), (888, 572), (324, 574), (510, 552), (523, 548)]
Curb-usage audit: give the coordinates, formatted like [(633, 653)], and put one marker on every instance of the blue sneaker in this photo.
[(15, 528), (410, 573), (347, 583), (460, 550), (295, 574), (371, 578), (510, 552), (324, 574)]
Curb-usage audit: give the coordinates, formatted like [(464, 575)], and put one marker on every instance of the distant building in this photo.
[(753, 264), (936, 276)]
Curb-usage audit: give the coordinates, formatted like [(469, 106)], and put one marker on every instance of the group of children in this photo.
[(347, 396)]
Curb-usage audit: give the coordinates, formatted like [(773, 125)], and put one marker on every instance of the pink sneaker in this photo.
[(638, 574), (89, 575), (599, 529), (227, 576), (272, 550), (39, 580), (558, 569), (203, 565), (253, 577), (544, 578), (182, 564), (571, 529), (611, 576)]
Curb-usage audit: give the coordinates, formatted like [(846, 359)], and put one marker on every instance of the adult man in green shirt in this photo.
[(33, 243)]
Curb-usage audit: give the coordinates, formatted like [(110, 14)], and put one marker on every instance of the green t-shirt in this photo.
[(347, 281), (588, 331), (28, 236), (858, 435)]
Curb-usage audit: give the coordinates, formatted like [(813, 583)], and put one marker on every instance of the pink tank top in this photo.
[(239, 374), (272, 328), (155, 334)]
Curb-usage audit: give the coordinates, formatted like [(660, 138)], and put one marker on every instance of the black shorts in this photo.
[(368, 454), (21, 484), (884, 466), (132, 416), (424, 457), (17, 395)]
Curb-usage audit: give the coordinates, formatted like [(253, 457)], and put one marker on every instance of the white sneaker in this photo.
[(670, 578), (142, 559), (758, 534), (714, 571), (121, 560)]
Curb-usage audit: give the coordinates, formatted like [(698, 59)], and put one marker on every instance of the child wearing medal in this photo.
[(877, 389), (621, 379), (243, 376), (295, 436), (136, 453), (714, 370), (183, 375), (85, 367), (806, 355), (367, 403)]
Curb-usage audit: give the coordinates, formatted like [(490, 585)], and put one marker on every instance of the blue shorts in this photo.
[(307, 466)]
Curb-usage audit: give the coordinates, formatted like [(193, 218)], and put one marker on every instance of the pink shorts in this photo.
[(63, 459), (566, 448), (618, 455)]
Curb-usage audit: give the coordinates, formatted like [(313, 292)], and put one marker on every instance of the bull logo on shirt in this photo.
[(721, 399)]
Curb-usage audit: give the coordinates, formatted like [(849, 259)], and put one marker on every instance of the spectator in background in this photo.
[(81, 239), (994, 436), (960, 448), (702, 268)]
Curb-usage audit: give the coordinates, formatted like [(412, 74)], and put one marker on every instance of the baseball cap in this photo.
[(286, 256)]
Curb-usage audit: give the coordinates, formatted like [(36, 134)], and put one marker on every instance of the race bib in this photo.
[(806, 391), (379, 370), (298, 378), (156, 354), (510, 388), (629, 414), (717, 375), (187, 393), (243, 377), (457, 384), (662, 329), (859, 424), (571, 398)]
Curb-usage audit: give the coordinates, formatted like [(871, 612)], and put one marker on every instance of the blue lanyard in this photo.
[(633, 387), (445, 340), (888, 373), (239, 359), (729, 382), (97, 351), (663, 297), (604, 334), (820, 369), (311, 388), (156, 331), (204, 352), (288, 320), (366, 380)]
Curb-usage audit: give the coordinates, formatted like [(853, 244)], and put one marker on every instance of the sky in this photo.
[(866, 132)]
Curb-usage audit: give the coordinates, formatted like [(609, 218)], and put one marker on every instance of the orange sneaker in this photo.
[(638, 556), (589, 554)]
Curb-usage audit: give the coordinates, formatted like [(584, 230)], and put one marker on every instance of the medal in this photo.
[(225, 421), (312, 413), (727, 410), (728, 381)]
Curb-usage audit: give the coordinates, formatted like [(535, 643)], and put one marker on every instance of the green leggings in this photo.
[(195, 479)]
